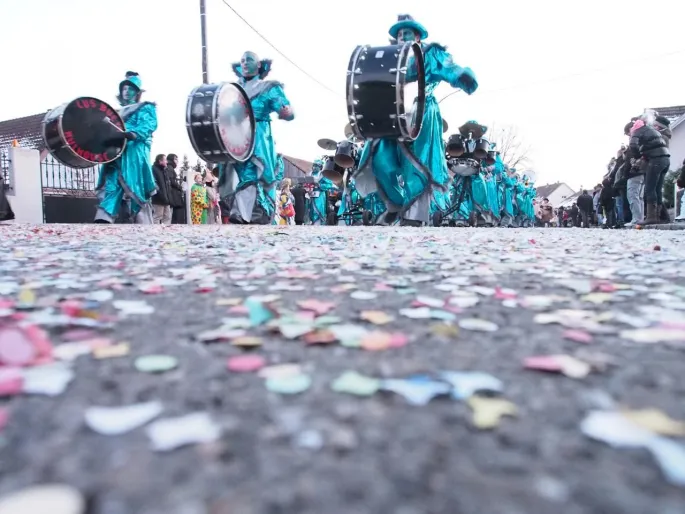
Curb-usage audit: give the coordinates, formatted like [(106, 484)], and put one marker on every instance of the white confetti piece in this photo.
[(169, 434), (119, 420)]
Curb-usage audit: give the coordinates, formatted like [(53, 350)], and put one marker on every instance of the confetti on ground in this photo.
[(52, 498), (569, 366), (246, 363), (487, 412), (119, 420), (321, 300), (172, 433), (156, 363)]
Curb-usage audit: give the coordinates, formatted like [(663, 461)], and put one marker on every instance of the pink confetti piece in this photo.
[(16, 349), (246, 363), (11, 381), (579, 336)]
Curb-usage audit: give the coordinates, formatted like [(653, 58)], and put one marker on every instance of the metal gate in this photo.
[(68, 193)]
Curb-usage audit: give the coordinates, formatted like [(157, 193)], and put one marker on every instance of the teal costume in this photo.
[(508, 185), (126, 185), (249, 187), (319, 196), (421, 164)]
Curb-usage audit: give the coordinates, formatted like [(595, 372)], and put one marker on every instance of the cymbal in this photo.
[(476, 129), (445, 126), (348, 131), (327, 144)]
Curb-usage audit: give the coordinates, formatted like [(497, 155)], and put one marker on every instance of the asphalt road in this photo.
[(614, 300)]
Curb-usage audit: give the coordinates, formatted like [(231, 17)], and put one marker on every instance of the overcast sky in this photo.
[(568, 75)]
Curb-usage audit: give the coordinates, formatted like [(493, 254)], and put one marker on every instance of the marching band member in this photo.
[(424, 166), (508, 183), (252, 200), (130, 179), (461, 191), (318, 206)]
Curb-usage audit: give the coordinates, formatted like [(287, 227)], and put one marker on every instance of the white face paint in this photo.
[(249, 64)]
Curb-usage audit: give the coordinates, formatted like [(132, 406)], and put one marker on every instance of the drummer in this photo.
[(130, 179), (318, 206), (425, 168), (254, 198)]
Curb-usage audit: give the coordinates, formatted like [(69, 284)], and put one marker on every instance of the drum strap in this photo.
[(409, 155)]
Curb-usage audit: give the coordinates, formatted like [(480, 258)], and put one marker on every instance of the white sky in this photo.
[(522, 53)]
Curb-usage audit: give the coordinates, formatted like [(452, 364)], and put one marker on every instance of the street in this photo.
[(330, 370)]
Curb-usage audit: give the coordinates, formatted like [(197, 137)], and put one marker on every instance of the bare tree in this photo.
[(514, 151)]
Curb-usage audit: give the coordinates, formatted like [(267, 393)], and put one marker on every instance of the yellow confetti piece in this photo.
[(444, 330), (376, 341), (656, 421), (572, 367), (247, 342), (487, 412), (229, 302), (376, 317), (108, 352), (27, 296)]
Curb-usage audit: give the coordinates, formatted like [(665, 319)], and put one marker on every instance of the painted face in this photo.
[(128, 94), (249, 64), (405, 35)]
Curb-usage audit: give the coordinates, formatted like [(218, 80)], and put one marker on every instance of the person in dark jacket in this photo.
[(161, 208), (585, 207), (177, 200), (299, 203), (606, 200), (575, 215), (6, 212), (646, 143)]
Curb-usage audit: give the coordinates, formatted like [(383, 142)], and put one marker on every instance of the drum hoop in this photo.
[(401, 111), (188, 124), (63, 138), (351, 109), (215, 122)]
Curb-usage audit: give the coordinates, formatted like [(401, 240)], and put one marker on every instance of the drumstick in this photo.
[(107, 120)]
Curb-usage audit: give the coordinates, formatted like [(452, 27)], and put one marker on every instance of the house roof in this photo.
[(672, 113), (296, 167), (27, 131), (547, 189)]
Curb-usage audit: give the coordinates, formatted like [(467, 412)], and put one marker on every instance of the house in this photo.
[(296, 168), (27, 131), (556, 193), (676, 115)]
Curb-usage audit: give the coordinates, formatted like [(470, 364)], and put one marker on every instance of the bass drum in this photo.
[(220, 122), (346, 154), (455, 145), (386, 91), (84, 132)]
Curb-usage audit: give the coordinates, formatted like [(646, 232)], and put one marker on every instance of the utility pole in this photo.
[(203, 24)]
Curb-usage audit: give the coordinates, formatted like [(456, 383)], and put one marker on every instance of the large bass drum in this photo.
[(386, 91), (84, 132), (220, 122)]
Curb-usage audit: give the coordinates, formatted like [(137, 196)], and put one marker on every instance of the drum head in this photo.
[(411, 89), (236, 123), (92, 130)]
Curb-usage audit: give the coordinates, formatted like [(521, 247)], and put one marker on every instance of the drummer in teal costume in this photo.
[(386, 159), (492, 182), (508, 183), (249, 187), (129, 179), (319, 201)]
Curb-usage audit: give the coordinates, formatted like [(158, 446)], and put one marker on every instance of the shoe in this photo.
[(651, 218)]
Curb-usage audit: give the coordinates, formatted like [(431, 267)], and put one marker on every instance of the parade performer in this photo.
[(318, 206), (199, 201), (508, 185), (130, 179), (351, 208), (425, 165), (493, 182), (253, 199)]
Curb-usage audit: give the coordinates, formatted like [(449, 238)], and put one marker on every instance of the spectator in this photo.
[(161, 208), (6, 213), (546, 212), (575, 216), (560, 216), (596, 207), (177, 198), (647, 143), (213, 214), (198, 201), (299, 202), (606, 200), (585, 206)]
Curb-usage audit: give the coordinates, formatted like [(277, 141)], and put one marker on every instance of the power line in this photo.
[(277, 50), (572, 75)]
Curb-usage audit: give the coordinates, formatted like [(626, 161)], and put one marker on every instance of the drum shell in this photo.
[(491, 157), (375, 92), (61, 144), (332, 171), (455, 146), (345, 155), (481, 149), (203, 123)]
